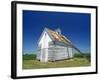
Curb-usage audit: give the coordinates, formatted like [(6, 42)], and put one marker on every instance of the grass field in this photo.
[(30, 62)]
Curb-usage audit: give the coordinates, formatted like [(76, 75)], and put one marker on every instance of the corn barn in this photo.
[(52, 46)]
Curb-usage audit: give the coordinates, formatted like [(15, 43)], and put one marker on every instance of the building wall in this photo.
[(55, 52), (52, 52), (44, 40), (59, 52), (43, 46), (71, 52)]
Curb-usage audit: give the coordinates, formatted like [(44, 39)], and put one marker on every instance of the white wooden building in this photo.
[(52, 46)]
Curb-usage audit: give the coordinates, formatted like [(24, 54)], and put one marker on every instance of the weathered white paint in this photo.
[(46, 54), (44, 41), (59, 54), (70, 52)]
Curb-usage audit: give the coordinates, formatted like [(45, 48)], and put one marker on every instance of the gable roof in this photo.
[(60, 38), (57, 37)]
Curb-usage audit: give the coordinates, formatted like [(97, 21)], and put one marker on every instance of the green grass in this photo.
[(30, 62), (85, 55), (29, 56)]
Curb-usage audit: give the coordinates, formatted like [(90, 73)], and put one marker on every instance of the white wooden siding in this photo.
[(44, 41), (52, 52), (70, 52), (58, 53)]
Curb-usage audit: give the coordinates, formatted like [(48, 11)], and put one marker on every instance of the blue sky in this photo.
[(75, 26)]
